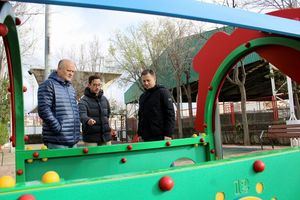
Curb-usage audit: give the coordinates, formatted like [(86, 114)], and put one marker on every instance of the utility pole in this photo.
[(47, 42)]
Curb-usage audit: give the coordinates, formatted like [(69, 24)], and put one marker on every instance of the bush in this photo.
[(3, 133)]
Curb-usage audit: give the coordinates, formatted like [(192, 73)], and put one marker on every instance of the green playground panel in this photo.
[(107, 160), (231, 178)]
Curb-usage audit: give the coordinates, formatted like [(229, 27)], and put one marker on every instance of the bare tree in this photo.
[(137, 48), (271, 4), (239, 79)]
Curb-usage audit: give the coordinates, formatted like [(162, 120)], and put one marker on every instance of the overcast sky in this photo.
[(72, 26)]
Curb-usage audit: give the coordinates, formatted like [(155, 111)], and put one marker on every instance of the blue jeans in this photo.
[(59, 146)]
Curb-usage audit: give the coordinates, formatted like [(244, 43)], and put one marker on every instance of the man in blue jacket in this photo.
[(57, 107)]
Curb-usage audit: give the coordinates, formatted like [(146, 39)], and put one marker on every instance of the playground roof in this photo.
[(166, 78)]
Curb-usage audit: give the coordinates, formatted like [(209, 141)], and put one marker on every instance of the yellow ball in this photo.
[(7, 182), (194, 135), (29, 160), (44, 159), (43, 147), (29, 148), (50, 177)]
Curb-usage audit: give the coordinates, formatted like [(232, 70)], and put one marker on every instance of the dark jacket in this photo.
[(156, 114), (97, 108), (58, 109)]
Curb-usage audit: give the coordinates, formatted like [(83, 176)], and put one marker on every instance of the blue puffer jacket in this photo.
[(58, 109)]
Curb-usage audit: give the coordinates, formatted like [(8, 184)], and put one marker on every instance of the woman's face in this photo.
[(149, 81)]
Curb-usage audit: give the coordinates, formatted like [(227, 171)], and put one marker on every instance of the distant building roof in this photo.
[(168, 80)]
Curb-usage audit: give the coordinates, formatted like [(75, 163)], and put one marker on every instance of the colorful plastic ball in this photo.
[(26, 197), (7, 182), (258, 166), (166, 183), (50, 177)]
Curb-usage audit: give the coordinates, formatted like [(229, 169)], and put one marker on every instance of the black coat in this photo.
[(57, 106), (97, 108), (156, 114)]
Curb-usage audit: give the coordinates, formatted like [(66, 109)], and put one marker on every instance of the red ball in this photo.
[(3, 30), (18, 21), (123, 160), (212, 151), (36, 154), (210, 88), (129, 147), (168, 143), (26, 197), (19, 172), (258, 166), (85, 150), (247, 45), (26, 138), (201, 140), (166, 183), (24, 89)]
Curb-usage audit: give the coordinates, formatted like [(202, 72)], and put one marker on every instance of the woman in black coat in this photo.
[(156, 111)]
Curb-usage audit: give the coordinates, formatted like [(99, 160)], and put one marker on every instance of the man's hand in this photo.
[(91, 122), (113, 132)]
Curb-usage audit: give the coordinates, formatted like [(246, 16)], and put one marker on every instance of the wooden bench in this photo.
[(280, 131)]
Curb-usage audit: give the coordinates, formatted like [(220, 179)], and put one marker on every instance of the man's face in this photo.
[(148, 81), (95, 86), (66, 72)]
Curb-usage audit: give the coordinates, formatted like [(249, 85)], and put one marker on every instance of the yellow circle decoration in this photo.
[(220, 196), (259, 188)]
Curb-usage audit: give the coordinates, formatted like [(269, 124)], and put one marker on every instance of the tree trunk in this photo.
[(296, 100), (178, 106), (244, 115), (191, 119), (189, 97)]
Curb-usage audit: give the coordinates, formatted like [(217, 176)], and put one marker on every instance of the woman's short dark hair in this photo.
[(148, 71), (93, 77)]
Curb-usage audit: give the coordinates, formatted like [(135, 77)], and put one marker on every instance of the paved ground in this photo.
[(8, 165)]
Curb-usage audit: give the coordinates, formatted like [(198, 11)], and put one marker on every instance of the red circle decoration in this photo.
[(258, 166), (166, 183), (212, 151), (123, 160), (202, 140), (168, 143)]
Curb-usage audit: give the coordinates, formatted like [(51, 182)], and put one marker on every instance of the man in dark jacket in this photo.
[(57, 106), (156, 111), (94, 114)]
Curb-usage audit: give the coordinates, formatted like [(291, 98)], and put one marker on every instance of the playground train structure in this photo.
[(147, 170)]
